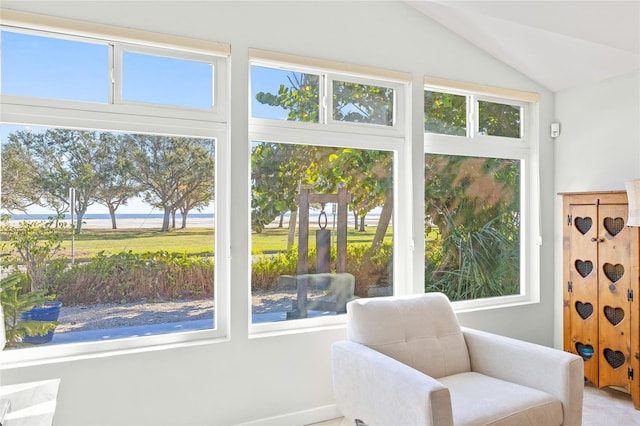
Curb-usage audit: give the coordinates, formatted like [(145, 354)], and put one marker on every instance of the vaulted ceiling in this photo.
[(559, 44)]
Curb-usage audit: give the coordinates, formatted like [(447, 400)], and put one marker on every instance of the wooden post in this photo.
[(341, 250), (305, 198)]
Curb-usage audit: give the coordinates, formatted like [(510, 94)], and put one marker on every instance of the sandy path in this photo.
[(79, 318)]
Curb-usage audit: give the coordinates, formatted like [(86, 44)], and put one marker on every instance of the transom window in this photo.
[(49, 67), (300, 94), (455, 114)]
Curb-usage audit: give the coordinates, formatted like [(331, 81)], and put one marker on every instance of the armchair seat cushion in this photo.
[(477, 399)]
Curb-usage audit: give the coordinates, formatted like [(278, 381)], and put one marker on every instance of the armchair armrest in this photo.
[(380, 390), (550, 370)]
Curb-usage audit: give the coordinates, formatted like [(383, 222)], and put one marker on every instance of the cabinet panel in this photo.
[(614, 281), (583, 282)]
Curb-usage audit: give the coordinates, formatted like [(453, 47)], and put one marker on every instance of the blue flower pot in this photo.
[(49, 313)]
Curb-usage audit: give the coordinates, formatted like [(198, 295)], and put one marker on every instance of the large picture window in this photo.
[(472, 226), (110, 211)]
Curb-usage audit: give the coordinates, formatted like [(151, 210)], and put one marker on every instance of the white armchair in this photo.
[(408, 362)]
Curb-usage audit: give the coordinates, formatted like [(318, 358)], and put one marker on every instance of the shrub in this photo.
[(127, 277), (370, 266), (266, 269)]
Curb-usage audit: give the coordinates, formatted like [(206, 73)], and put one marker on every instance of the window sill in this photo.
[(71, 346), (488, 303)]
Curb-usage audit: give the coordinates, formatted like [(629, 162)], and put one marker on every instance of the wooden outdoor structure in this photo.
[(305, 198)]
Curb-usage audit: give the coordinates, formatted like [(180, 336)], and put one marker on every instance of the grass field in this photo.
[(93, 241), (189, 241)]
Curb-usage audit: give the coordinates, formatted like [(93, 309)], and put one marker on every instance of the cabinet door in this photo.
[(614, 281), (582, 303)]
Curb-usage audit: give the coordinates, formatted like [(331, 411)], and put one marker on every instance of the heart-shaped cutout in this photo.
[(584, 268), (613, 272), (583, 224), (615, 358), (584, 309), (613, 226), (585, 351), (614, 315)]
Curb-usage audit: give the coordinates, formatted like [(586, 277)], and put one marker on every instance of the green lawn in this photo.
[(92, 241), (190, 241)]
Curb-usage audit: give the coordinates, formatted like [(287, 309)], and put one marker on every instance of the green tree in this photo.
[(277, 171), (19, 190), (170, 169), (61, 159), (117, 185)]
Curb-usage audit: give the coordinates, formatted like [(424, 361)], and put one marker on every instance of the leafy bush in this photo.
[(31, 245), (127, 277), (267, 269), (371, 267), (471, 264), (15, 301)]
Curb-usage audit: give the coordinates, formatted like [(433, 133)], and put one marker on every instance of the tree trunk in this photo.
[(173, 219), (112, 213), (184, 220), (281, 224), (362, 223), (355, 220), (293, 217), (385, 219), (166, 219), (79, 216)]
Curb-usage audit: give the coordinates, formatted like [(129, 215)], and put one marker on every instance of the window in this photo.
[(50, 67), (322, 204), (363, 103), (285, 94), (161, 80), (479, 192), (445, 113), (496, 119), (124, 202)]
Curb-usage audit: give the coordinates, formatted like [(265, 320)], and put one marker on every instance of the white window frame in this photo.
[(341, 134), (150, 119), (524, 149)]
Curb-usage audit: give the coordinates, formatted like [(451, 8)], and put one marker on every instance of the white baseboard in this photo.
[(299, 418)]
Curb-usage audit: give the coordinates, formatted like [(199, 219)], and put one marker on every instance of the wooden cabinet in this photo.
[(600, 296)]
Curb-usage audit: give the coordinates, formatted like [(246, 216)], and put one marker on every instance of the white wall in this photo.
[(598, 149), (246, 378)]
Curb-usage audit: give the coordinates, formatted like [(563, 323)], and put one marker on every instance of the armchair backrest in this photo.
[(421, 331)]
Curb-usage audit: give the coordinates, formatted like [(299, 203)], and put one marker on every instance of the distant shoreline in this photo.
[(134, 223), (154, 220)]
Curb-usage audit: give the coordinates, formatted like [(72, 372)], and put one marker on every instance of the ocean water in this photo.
[(88, 216)]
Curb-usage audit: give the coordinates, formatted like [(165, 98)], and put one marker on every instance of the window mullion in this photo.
[(112, 74), (472, 128), (117, 74), (326, 101)]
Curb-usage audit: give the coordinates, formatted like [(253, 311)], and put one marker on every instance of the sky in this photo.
[(76, 70)]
